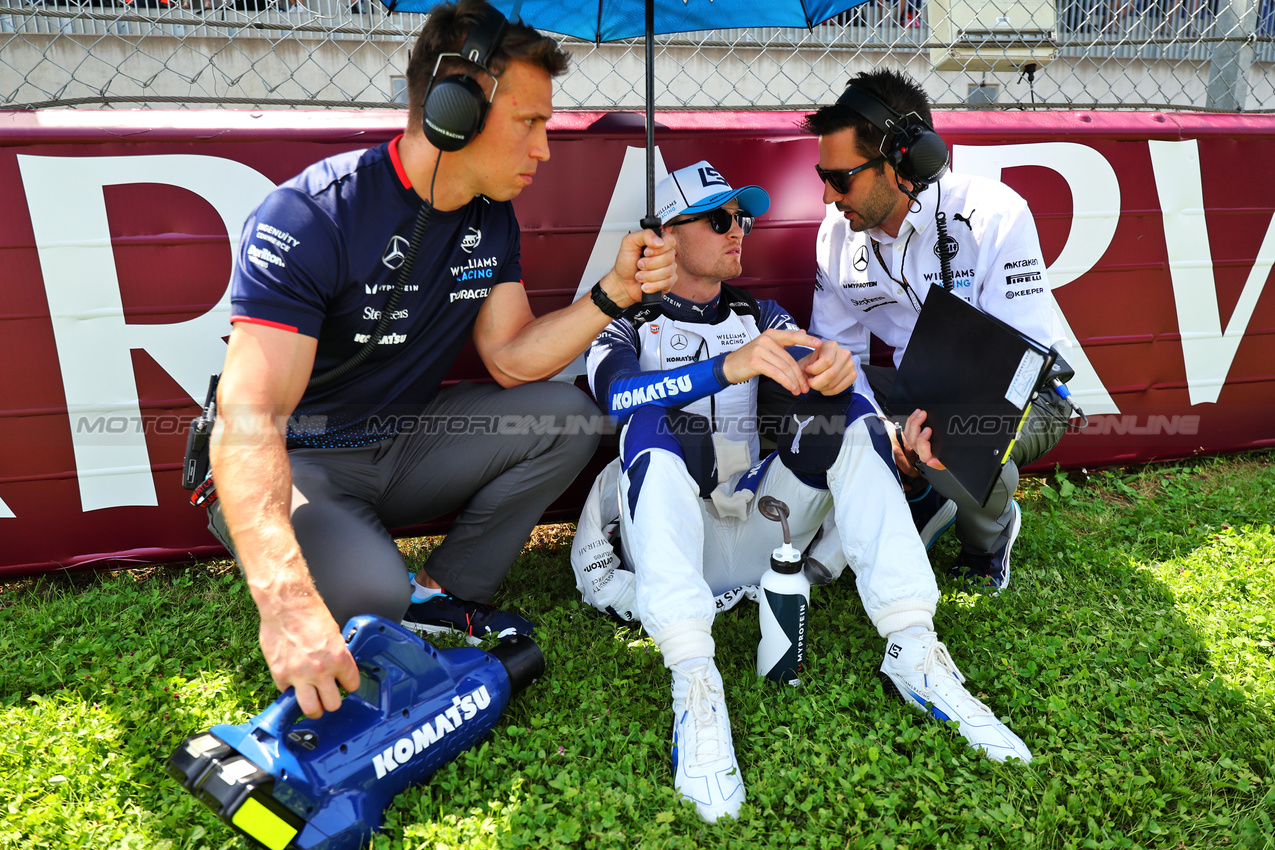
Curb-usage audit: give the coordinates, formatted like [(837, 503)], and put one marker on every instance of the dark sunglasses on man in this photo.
[(720, 220), (840, 180)]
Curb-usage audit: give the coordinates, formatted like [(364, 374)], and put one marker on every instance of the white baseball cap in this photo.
[(699, 188)]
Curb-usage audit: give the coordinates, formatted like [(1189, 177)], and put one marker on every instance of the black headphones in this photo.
[(919, 155), (455, 108)]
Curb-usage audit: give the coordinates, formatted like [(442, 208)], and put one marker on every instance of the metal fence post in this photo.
[(1231, 59)]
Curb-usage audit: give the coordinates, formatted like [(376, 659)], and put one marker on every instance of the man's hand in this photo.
[(912, 447), (829, 368), (305, 650), (767, 355), (647, 262)]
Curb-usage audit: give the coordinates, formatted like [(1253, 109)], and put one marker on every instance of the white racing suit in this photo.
[(688, 480)]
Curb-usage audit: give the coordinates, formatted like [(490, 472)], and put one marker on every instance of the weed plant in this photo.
[(1134, 652)]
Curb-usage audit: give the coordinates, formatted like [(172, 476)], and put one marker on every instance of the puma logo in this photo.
[(801, 423)]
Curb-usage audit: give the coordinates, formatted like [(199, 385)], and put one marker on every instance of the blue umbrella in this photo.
[(613, 20)]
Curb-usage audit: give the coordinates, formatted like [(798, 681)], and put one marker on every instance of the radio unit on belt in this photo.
[(195, 464)]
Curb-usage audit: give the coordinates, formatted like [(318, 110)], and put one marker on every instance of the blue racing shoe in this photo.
[(933, 514), (990, 572), (445, 613)]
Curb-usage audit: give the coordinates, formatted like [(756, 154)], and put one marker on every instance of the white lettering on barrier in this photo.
[(73, 238), (628, 205), (1207, 350), (1095, 198)]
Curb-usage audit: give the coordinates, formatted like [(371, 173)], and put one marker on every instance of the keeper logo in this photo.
[(1035, 290)]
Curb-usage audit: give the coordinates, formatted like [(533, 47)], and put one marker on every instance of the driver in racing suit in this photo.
[(690, 474)]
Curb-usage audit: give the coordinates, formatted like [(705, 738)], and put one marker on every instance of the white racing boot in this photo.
[(704, 767), (922, 673)]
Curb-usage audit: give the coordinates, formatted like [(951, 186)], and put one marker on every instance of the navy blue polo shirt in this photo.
[(320, 257)]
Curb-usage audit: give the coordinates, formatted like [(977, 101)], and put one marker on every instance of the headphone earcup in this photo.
[(453, 113), (920, 154)]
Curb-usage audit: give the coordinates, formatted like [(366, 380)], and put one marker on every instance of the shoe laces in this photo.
[(701, 696), (475, 612), (938, 666)]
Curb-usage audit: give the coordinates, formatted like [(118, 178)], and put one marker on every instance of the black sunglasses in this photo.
[(840, 180), (720, 220)]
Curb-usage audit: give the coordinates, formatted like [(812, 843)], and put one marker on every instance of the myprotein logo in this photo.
[(446, 722), (395, 252), (373, 288)]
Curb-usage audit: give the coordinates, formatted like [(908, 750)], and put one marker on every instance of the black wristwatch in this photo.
[(605, 304)]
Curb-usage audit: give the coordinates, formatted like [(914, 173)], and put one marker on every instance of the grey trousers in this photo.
[(983, 529), (498, 456)]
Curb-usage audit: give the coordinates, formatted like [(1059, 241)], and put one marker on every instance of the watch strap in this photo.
[(605, 304)]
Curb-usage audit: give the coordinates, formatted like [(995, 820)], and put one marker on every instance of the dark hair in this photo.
[(445, 31), (895, 89)]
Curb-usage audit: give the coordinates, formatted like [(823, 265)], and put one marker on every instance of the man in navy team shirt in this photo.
[(306, 508)]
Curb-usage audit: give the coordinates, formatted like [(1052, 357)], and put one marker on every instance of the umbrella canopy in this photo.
[(613, 20)]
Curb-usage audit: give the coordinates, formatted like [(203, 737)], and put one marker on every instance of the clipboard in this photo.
[(976, 377)]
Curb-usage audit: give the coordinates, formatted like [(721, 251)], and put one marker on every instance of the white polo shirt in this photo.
[(863, 279)]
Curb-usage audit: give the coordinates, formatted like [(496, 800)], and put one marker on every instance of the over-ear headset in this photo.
[(455, 108), (919, 155)]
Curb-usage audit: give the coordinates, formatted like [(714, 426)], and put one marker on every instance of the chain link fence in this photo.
[(1066, 54)]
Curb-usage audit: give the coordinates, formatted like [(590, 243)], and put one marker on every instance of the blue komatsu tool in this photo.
[(286, 781)]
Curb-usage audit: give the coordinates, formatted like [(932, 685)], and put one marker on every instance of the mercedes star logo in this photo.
[(395, 252), (861, 258), (678, 342)]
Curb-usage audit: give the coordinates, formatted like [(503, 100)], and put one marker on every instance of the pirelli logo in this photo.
[(1021, 279)]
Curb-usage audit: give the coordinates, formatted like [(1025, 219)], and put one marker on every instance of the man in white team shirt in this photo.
[(879, 250), (690, 475)]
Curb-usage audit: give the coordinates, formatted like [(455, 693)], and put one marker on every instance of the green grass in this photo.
[(1134, 652)]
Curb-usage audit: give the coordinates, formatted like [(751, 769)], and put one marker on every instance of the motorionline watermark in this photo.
[(459, 425), (374, 427), (1154, 425)]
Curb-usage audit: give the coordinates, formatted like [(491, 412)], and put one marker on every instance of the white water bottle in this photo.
[(784, 601)]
